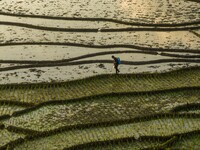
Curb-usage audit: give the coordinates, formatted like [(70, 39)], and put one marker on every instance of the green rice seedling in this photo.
[(9, 91), (7, 137), (53, 97), (187, 108), (29, 94), (50, 91), (108, 115), (109, 133), (44, 95), (13, 94), (26, 94), (121, 145), (35, 93), (114, 107), (57, 92), (89, 87), (23, 93), (18, 94), (63, 92), (190, 141), (7, 109)]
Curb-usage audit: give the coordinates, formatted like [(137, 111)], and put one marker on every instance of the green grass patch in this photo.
[(9, 109), (187, 142), (158, 127), (38, 93), (6, 137), (101, 109)]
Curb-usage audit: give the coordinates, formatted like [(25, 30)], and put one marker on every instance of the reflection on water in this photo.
[(139, 11), (157, 11), (178, 39), (166, 11)]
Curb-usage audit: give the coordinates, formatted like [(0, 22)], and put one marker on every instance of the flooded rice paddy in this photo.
[(44, 41)]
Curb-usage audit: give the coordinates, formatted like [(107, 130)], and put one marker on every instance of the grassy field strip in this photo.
[(145, 142), (189, 108), (158, 101), (197, 111), (194, 111), (9, 107), (119, 144), (103, 84), (7, 137), (159, 127), (122, 146), (9, 110), (188, 142), (100, 109)]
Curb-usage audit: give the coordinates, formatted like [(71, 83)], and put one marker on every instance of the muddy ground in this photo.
[(26, 34)]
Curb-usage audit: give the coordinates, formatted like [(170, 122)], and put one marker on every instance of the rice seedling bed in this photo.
[(6, 137), (135, 144), (187, 142), (104, 84), (100, 109), (158, 127), (191, 111), (188, 108), (9, 110)]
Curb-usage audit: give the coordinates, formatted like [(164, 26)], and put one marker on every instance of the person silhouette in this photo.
[(116, 64)]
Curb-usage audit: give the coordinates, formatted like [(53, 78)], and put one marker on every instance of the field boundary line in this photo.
[(57, 29)]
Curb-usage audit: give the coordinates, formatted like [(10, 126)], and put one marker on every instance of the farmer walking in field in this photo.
[(116, 63)]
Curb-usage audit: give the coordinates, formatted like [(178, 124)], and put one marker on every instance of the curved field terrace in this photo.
[(58, 87)]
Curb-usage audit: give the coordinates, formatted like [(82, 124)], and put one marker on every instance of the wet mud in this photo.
[(53, 41)]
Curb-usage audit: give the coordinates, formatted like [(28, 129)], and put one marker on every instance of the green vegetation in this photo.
[(158, 127), (103, 84), (187, 142), (100, 109), (136, 111), (7, 136)]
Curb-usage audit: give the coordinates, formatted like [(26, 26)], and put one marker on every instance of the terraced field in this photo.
[(58, 89), (69, 40), (139, 111)]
